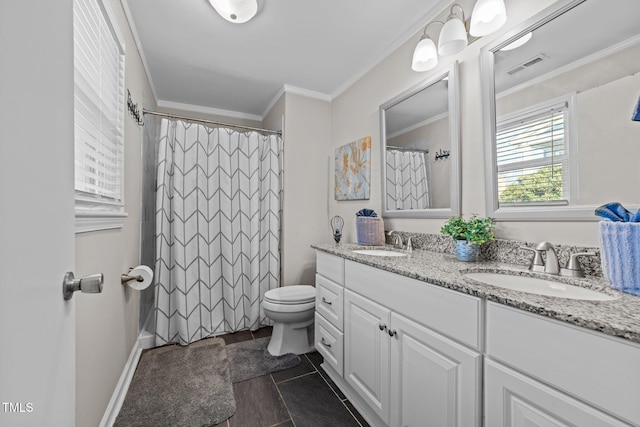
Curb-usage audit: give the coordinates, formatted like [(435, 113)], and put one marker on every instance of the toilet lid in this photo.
[(295, 294)]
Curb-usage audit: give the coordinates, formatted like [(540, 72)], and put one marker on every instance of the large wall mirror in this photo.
[(559, 93), (420, 142)]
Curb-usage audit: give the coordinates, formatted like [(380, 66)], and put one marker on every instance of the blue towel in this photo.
[(614, 211), (366, 212), (621, 255), (636, 113)]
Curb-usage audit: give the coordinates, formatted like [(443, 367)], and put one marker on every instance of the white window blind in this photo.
[(532, 157), (99, 106)]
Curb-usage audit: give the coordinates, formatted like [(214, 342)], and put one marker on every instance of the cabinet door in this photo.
[(515, 400), (434, 381), (366, 351)]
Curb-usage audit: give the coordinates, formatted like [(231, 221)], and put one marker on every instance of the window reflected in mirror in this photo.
[(561, 91)]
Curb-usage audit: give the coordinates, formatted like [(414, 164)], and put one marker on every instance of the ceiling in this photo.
[(588, 28), (195, 57)]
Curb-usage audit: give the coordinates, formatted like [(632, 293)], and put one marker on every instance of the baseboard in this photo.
[(122, 387)]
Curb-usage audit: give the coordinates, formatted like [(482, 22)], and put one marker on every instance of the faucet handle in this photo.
[(409, 244), (574, 269), (537, 264)]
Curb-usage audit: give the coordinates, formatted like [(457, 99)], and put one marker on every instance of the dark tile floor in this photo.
[(302, 396)]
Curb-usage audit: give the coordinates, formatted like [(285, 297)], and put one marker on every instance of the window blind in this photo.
[(99, 105), (532, 157)]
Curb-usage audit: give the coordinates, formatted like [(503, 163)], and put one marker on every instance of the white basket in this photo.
[(370, 230)]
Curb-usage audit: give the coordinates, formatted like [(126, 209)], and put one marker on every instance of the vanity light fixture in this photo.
[(236, 11), (488, 16), (518, 42), (453, 36), (425, 55)]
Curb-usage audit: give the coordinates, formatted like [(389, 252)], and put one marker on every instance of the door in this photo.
[(434, 381), (37, 349), (366, 351), (515, 400)]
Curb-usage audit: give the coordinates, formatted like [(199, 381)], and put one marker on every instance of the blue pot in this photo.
[(466, 251)]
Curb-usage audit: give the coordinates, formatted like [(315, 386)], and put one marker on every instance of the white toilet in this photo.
[(292, 309)]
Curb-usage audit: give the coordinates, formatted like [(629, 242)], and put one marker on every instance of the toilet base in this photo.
[(294, 338)]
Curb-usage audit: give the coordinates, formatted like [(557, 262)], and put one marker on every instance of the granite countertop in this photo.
[(619, 317)]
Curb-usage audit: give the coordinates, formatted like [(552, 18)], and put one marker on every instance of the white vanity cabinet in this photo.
[(397, 357), (329, 336), (542, 372)]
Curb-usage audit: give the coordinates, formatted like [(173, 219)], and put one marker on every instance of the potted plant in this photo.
[(468, 234)]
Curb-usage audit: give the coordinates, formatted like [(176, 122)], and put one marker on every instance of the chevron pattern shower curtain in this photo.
[(407, 184), (217, 229)]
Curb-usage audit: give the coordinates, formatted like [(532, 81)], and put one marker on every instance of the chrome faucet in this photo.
[(551, 264)]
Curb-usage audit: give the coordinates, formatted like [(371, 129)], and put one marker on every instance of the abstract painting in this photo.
[(353, 170)]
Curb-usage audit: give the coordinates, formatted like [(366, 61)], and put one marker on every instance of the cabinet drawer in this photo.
[(450, 313), (330, 266), (329, 300), (596, 368), (329, 343)]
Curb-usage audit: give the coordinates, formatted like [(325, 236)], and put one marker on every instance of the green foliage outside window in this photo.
[(541, 186)]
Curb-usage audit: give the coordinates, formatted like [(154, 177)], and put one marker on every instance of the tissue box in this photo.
[(620, 243), (370, 230)]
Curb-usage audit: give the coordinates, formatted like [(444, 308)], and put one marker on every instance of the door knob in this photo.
[(89, 284)]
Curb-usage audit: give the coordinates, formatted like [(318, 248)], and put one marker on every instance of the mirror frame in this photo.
[(454, 149), (487, 71)]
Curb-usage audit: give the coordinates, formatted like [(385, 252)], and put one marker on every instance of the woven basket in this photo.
[(370, 230)]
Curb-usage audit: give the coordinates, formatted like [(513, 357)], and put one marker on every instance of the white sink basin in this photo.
[(534, 285), (377, 252)]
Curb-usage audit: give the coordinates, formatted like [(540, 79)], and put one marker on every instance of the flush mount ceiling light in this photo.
[(487, 17), (425, 55), (453, 37), (236, 11), (518, 42)]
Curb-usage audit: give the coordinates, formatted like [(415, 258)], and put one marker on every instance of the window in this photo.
[(99, 117), (532, 155)]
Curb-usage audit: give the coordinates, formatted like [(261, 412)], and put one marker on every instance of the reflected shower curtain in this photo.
[(407, 185), (217, 229)]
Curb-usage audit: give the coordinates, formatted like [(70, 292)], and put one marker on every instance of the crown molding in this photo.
[(207, 110)]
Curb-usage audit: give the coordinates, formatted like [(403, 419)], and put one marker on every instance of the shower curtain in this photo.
[(217, 229), (407, 184)]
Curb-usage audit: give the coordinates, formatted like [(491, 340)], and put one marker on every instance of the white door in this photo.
[(434, 381), (515, 400), (37, 346), (366, 351)]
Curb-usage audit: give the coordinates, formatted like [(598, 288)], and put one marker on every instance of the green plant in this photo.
[(475, 230)]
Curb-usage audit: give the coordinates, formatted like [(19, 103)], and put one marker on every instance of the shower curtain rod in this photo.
[(416, 150), (213, 122)]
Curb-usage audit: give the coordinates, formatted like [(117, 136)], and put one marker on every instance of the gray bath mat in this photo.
[(249, 359), (180, 386)]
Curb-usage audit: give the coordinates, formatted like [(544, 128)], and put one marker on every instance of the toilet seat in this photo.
[(291, 295)]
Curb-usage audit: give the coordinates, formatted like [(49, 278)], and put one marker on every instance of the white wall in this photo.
[(107, 324), (306, 164), (354, 113)]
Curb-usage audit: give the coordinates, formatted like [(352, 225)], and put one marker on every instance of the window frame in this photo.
[(93, 212), (567, 103)]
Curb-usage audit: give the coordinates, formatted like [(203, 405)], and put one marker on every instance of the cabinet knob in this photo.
[(324, 343), (326, 301), (392, 332), (382, 326)]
